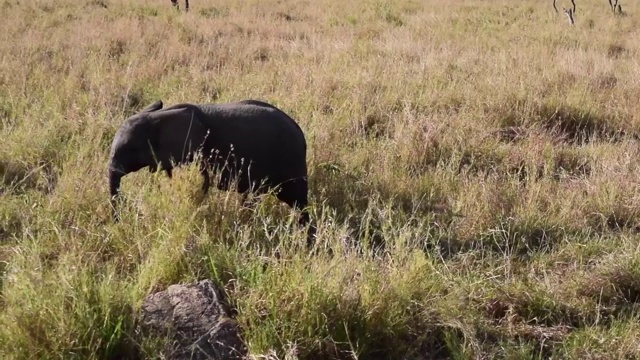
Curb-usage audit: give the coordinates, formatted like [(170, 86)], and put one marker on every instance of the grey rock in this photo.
[(197, 321)]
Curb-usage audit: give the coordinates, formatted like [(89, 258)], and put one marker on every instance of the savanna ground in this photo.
[(473, 169)]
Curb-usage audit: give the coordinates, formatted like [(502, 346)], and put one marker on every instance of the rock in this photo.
[(197, 321)]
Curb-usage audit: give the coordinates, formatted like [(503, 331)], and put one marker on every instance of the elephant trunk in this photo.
[(114, 186)]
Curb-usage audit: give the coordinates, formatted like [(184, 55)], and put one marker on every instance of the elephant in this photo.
[(249, 141), (175, 3)]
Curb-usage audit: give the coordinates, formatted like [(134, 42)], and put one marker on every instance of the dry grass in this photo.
[(473, 170)]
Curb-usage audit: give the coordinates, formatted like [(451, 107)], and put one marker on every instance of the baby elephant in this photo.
[(249, 141), (186, 4)]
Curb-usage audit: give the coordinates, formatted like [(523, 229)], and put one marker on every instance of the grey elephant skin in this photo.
[(250, 141)]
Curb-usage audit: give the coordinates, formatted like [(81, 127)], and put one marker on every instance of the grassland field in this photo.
[(473, 168)]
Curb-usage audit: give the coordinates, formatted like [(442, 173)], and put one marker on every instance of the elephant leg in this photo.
[(294, 193), (247, 202), (206, 183), (247, 188), (224, 182), (226, 178), (186, 2)]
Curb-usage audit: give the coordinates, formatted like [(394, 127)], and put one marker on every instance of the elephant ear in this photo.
[(175, 133), (153, 107)]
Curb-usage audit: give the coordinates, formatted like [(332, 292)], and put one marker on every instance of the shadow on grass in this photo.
[(516, 239), (567, 123), (374, 210), (16, 178), (578, 126)]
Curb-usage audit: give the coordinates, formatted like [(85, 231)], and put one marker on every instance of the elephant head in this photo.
[(150, 138)]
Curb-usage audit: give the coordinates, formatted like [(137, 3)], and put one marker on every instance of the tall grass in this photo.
[(472, 164)]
